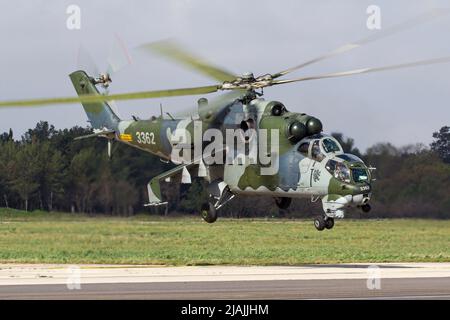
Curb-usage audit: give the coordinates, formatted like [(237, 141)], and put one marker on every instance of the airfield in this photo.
[(345, 281), (73, 256)]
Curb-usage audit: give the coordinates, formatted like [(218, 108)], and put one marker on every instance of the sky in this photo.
[(38, 52)]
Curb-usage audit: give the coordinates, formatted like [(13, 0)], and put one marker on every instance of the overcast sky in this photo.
[(38, 52)]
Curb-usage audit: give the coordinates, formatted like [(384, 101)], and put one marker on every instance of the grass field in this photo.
[(64, 238)]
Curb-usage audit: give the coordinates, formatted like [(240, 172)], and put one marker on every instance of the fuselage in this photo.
[(314, 166)]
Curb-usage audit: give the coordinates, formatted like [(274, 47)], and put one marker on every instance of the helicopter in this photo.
[(294, 158)]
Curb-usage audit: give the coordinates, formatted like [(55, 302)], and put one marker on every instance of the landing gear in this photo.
[(219, 195), (329, 223), (322, 222), (319, 223), (366, 207), (208, 212), (283, 203)]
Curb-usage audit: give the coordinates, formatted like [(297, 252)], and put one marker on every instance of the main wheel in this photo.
[(283, 203), (208, 212), (329, 223), (319, 223)]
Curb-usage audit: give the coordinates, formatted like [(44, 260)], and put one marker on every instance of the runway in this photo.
[(349, 281)]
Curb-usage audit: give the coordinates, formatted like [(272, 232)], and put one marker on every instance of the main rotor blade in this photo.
[(367, 70), (86, 62), (120, 96), (174, 51), (408, 24)]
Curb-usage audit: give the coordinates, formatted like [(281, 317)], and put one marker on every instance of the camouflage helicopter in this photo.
[(309, 164)]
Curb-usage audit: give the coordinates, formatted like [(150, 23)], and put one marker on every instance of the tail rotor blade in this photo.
[(119, 57), (86, 62)]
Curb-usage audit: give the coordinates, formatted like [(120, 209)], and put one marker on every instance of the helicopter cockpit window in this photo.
[(338, 170), (360, 175), (330, 145), (303, 148), (342, 172), (331, 166), (349, 157), (316, 154)]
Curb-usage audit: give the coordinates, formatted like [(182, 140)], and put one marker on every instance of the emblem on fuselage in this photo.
[(316, 175)]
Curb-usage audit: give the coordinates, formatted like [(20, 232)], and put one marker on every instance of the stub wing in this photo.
[(154, 188), (101, 133)]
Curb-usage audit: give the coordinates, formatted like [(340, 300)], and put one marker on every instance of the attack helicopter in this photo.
[(298, 159)]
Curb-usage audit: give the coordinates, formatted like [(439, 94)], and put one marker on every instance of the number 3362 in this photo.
[(145, 137)]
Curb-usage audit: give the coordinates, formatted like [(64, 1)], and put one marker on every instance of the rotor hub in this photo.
[(247, 82), (248, 76)]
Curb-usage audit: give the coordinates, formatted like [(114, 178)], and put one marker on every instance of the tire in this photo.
[(283, 203), (319, 223), (208, 212), (329, 223)]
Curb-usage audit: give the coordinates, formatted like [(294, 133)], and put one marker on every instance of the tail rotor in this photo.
[(118, 59)]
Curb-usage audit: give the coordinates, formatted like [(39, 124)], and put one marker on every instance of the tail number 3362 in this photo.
[(145, 137)]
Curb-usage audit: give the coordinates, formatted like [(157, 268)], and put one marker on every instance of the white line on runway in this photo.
[(27, 274)]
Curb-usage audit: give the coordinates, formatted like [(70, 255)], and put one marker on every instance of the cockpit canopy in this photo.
[(348, 172), (318, 147), (342, 166), (349, 157)]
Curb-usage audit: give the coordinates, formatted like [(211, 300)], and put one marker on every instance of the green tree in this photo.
[(8, 151), (125, 197), (441, 145), (192, 196), (82, 176), (25, 172), (5, 137), (50, 174), (42, 132)]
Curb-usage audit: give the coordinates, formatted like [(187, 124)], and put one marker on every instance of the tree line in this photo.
[(46, 169)]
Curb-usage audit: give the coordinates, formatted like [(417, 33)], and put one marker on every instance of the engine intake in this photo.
[(296, 131)]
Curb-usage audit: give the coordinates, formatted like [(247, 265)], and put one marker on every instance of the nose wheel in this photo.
[(329, 223), (323, 222)]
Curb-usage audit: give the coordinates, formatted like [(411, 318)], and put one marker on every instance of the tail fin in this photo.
[(100, 114)]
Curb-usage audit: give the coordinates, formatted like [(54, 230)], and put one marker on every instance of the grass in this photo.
[(66, 238)]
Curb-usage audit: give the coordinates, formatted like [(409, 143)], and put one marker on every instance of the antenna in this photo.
[(170, 116)]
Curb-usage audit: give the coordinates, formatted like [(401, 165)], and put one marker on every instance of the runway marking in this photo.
[(23, 274)]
